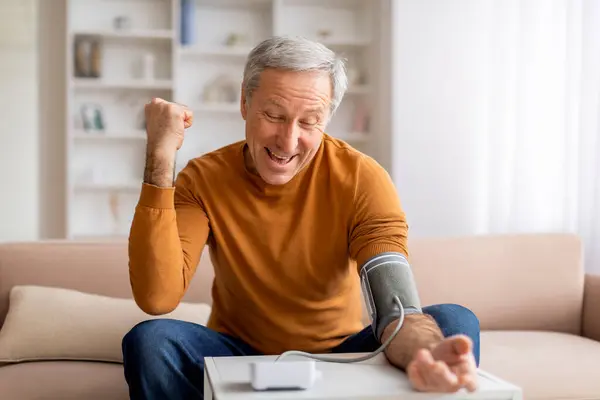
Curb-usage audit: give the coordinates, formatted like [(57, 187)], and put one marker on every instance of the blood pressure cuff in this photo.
[(383, 277)]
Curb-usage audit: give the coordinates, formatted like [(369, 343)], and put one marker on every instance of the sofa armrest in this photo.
[(591, 307)]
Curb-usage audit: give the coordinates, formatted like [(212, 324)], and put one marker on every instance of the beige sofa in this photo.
[(539, 313)]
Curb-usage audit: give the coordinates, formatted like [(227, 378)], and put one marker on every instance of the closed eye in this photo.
[(274, 116), (310, 121)]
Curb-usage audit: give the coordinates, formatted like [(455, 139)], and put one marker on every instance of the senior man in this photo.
[(293, 219)]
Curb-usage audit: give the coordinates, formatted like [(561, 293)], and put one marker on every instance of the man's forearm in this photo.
[(155, 256), (418, 331), (160, 167), (156, 259)]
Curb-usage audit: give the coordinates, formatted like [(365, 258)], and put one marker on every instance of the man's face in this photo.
[(285, 121)]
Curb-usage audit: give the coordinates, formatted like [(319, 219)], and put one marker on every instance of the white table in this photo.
[(228, 378)]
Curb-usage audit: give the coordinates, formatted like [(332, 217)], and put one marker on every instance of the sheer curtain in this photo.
[(496, 117)]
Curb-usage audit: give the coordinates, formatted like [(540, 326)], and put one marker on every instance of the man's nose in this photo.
[(288, 138)]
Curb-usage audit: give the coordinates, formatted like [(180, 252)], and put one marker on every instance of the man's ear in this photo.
[(243, 109)]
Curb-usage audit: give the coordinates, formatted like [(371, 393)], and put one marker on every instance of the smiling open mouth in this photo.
[(279, 159)]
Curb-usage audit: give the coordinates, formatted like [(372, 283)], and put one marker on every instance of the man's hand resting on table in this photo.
[(431, 362), (447, 367)]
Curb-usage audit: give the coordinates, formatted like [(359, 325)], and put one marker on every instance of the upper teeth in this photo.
[(278, 156)]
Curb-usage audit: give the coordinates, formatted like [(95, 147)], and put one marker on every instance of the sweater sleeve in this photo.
[(169, 230), (378, 223)]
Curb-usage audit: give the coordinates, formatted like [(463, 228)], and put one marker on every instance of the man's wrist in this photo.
[(160, 166), (419, 331)]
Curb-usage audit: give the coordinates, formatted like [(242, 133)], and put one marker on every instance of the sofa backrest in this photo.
[(511, 281), (100, 268)]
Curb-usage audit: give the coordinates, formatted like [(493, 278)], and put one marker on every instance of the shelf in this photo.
[(354, 137), (99, 83), (100, 238), (235, 3), (323, 3), (105, 187), (358, 89), (218, 23), (344, 42), (127, 34), (185, 53), (110, 135), (237, 51), (335, 23)]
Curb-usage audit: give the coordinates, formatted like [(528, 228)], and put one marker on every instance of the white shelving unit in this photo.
[(121, 53)]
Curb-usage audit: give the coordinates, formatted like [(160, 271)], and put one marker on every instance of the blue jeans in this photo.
[(164, 358)]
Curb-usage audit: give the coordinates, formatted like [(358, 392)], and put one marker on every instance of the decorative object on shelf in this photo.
[(141, 118), (188, 15), (87, 58), (148, 63), (222, 89), (83, 58), (235, 39), (121, 23), (136, 107), (355, 77), (361, 118), (96, 61), (90, 176), (92, 117), (324, 34)]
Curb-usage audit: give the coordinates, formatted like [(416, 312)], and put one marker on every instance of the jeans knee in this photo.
[(162, 359), (454, 319), (454, 315), (143, 342), (465, 315)]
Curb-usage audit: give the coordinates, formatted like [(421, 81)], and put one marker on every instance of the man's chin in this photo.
[(280, 178), (277, 175), (277, 180)]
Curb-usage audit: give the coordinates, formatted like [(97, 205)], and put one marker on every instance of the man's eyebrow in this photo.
[(275, 102), (318, 109)]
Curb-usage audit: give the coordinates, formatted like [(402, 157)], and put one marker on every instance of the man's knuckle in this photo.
[(173, 109)]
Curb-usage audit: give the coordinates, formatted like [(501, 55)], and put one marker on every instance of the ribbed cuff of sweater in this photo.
[(374, 249), (157, 197)]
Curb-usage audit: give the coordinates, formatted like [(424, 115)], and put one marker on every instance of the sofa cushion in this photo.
[(66, 380), (45, 323), (546, 365)]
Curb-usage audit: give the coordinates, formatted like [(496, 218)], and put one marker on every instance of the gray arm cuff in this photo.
[(383, 277)]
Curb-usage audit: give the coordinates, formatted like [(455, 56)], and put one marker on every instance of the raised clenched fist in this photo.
[(166, 123)]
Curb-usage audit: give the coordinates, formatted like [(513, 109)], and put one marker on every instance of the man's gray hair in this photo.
[(295, 54)]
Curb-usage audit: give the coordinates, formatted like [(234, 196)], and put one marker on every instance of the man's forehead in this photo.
[(319, 80), (312, 108)]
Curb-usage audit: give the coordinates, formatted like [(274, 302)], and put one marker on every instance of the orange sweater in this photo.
[(285, 257)]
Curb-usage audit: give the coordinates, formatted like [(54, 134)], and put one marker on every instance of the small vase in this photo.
[(187, 22), (148, 67)]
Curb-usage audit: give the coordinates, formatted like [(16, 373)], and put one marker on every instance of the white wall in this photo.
[(432, 67), (19, 194)]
